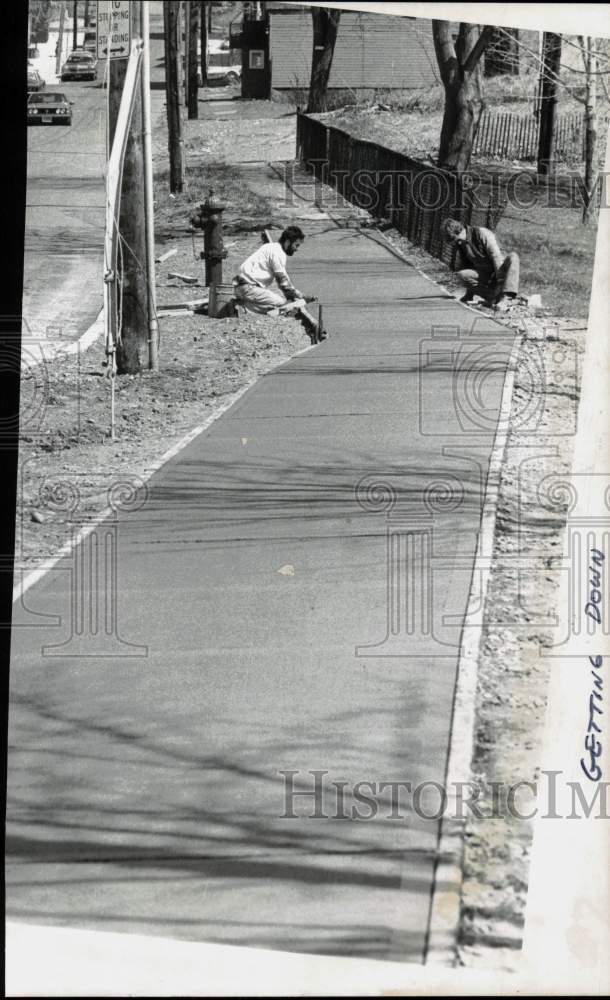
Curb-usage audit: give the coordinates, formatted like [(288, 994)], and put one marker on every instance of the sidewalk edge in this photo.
[(445, 900)]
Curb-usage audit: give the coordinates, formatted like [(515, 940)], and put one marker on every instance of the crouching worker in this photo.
[(484, 269), (262, 284)]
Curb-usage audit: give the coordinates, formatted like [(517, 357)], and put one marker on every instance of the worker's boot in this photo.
[(504, 303)]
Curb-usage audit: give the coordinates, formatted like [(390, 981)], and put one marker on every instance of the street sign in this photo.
[(113, 29)]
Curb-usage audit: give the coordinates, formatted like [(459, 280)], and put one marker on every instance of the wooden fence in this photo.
[(515, 137), (413, 196)]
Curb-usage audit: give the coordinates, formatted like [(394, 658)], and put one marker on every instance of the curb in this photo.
[(55, 349), (445, 902)]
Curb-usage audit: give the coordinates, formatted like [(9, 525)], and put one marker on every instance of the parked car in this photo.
[(220, 75), (79, 65), (90, 42), (35, 81), (50, 108)]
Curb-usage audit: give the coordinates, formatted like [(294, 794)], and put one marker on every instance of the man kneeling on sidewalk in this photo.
[(266, 267), (485, 271)]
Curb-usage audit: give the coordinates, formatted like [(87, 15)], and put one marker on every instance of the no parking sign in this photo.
[(113, 29)]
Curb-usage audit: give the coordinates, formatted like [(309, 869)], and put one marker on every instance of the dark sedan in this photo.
[(35, 81), (50, 108)]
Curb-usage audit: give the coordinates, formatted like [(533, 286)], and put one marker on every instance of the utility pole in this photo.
[(75, 24), (187, 50), (149, 198), (86, 17), (180, 6), (133, 348), (60, 38), (203, 21), (193, 39), (549, 73), (171, 11), (590, 60)]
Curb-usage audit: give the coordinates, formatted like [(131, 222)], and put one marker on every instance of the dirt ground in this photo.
[(204, 361)]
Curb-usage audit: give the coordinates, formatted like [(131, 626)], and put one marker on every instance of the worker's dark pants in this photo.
[(480, 282)]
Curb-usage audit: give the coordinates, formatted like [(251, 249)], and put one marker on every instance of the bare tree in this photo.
[(589, 55), (558, 75), (549, 75), (325, 27), (192, 13), (460, 70), (502, 53), (173, 58), (203, 29)]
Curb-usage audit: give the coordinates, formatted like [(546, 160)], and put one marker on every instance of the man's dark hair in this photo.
[(450, 228), (292, 233)]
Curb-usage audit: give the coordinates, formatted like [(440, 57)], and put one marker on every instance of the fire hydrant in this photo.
[(209, 218)]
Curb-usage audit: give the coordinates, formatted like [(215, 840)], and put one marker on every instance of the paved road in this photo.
[(146, 793), (64, 233)]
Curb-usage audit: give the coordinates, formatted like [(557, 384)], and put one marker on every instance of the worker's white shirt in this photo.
[(265, 265)]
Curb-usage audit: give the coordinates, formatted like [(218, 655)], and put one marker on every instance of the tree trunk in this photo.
[(551, 58), (590, 128), (463, 107), (204, 42), (172, 95), (180, 45), (186, 49), (460, 70), (193, 81), (325, 26)]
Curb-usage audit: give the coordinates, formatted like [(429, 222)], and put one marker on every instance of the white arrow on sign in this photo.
[(113, 29)]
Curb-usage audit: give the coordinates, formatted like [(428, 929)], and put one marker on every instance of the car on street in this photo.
[(79, 65), (35, 81), (220, 75), (90, 41), (50, 108)]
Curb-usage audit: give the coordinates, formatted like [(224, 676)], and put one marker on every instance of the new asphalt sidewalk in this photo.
[(293, 586)]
